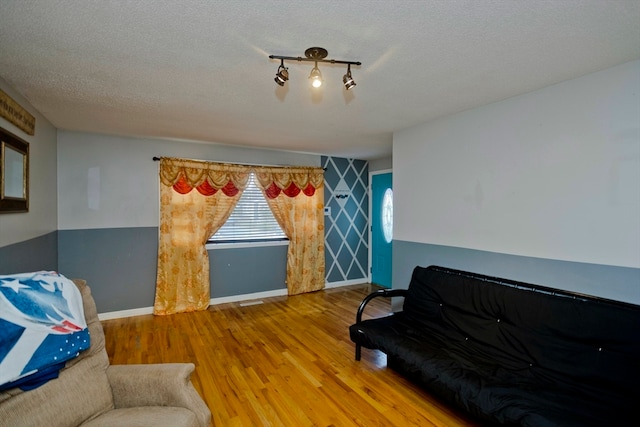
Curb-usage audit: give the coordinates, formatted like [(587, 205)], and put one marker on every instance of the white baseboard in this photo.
[(125, 313), (346, 283), (246, 297), (214, 301), (223, 300)]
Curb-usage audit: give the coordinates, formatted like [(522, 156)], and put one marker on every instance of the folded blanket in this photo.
[(42, 326)]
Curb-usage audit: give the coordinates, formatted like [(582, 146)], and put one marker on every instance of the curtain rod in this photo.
[(157, 159)]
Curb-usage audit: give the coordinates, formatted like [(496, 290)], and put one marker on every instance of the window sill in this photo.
[(239, 245)]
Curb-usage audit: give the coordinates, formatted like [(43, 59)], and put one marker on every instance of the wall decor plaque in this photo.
[(15, 114)]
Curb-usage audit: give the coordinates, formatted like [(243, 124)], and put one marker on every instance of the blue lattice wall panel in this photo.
[(347, 225)]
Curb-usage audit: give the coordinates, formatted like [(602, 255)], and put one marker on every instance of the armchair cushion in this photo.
[(166, 384), (145, 416)]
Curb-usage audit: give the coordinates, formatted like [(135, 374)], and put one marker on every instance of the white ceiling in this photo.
[(199, 69)]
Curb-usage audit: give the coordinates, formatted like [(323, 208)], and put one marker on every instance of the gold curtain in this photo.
[(296, 198), (196, 198)]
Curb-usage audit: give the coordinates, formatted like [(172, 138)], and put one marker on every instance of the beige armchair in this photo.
[(91, 393)]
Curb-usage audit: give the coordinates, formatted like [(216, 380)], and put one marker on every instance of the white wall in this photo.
[(552, 174), (112, 182), (380, 164), (42, 216)]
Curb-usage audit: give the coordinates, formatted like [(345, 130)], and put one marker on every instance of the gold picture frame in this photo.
[(14, 173)]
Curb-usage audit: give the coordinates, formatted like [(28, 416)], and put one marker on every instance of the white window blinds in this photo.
[(250, 221)]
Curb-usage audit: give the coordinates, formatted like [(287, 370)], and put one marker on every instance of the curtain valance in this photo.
[(206, 177), (209, 177), (290, 181)]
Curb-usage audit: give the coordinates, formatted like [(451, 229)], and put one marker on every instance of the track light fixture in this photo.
[(313, 54), (347, 79), (282, 75)]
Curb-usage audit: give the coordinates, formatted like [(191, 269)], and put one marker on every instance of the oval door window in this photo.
[(387, 215)]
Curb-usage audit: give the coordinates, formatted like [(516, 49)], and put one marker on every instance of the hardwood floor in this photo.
[(286, 362)]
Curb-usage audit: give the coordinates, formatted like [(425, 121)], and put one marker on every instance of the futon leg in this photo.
[(358, 351)]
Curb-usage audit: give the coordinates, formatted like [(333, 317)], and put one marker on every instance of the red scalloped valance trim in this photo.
[(272, 191), (183, 187), (309, 190), (206, 189), (230, 190), (292, 190), (212, 183)]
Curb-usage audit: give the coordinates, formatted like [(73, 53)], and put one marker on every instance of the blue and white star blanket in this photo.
[(42, 325)]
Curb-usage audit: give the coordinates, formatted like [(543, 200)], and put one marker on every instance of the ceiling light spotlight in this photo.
[(347, 79), (316, 77), (282, 75), (313, 54)]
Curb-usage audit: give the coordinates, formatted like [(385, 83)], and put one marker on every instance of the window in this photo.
[(250, 221), (387, 215)]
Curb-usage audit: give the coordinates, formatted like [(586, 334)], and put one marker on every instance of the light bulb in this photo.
[(316, 77)]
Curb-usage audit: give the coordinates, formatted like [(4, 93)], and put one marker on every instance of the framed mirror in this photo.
[(14, 173)]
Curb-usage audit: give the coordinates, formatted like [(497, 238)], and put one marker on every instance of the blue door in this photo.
[(381, 228)]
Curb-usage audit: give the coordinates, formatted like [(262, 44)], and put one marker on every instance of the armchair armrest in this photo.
[(162, 384)]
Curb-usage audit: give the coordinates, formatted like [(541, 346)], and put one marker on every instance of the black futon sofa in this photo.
[(512, 353)]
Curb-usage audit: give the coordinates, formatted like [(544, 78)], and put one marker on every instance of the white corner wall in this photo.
[(42, 216), (551, 174)]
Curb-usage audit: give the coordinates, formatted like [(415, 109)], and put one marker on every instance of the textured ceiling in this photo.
[(199, 70)]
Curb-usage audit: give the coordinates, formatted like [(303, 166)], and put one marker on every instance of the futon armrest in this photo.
[(386, 293), (162, 384)]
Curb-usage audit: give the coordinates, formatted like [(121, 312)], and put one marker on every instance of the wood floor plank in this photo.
[(287, 361)]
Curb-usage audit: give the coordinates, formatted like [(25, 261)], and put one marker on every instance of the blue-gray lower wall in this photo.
[(120, 265), (617, 283), (244, 271), (40, 253)]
